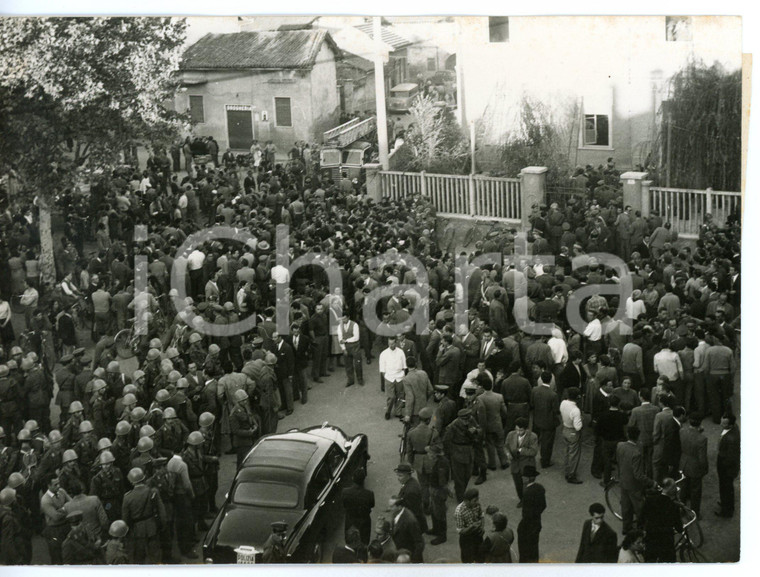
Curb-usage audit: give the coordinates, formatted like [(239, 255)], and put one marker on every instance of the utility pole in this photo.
[(382, 122)]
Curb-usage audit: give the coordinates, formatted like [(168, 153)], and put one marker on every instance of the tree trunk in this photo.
[(47, 258)]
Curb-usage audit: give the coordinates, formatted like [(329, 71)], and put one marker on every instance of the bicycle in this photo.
[(686, 545), (688, 517), (127, 341), (495, 226)]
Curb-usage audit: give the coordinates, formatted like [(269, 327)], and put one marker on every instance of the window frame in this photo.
[(498, 22), (190, 108), (277, 122), (585, 114)]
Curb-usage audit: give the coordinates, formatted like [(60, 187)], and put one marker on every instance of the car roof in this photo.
[(294, 451)]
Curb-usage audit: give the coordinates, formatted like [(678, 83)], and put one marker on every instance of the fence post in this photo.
[(532, 190), (709, 200), (646, 201), (423, 184), (374, 186), (472, 202), (632, 185)]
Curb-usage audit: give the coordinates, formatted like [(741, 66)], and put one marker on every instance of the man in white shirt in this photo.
[(667, 363), (348, 337), (195, 262), (593, 335), (572, 423), (392, 364), (559, 349), (635, 306)]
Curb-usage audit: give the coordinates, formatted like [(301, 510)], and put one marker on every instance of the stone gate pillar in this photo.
[(532, 190)]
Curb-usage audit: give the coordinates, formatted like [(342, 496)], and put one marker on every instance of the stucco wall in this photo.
[(313, 93)]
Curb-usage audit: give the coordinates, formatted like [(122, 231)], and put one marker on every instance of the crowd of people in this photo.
[(127, 465)]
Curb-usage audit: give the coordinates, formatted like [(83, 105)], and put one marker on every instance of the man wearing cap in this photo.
[(80, 547), (417, 439), (460, 440), (411, 493), (529, 528), (13, 540), (274, 546), (470, 526), (445, 410), (37, 393), (144, 513)]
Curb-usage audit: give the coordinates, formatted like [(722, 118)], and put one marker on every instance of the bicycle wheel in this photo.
[(612, 498), (690, 554), (696, 536), (123, 344)]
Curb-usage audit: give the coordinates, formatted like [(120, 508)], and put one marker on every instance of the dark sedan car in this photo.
[(294, 477)]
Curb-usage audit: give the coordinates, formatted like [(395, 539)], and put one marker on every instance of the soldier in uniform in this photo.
[(144, 513), (70, 429), (115, 552), (274, 547), (460, 439), (8, 459), (417, 439), (417, 392), (210, 457), (192, 455), (164, 482), (21, 508), (10, 415), (98, 409), (14, 543), (445, 412), (70, 473), (65, 377), (144, 457), (172, 434), (472, 401), (51, 461), (108, 486), (79, 547), (87, 450), (37, 392), (242, 426), (120, 448), (435, 472)]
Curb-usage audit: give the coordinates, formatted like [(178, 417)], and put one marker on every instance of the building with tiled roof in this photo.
[(276, 85)]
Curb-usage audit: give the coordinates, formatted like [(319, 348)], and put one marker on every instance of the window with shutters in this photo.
[(498, 28), (282, 115), (597, 119), (196, 109)]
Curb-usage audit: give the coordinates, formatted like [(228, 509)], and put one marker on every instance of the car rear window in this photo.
[(271, 495)]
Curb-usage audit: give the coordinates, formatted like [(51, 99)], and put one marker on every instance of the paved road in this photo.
[(361, 410)]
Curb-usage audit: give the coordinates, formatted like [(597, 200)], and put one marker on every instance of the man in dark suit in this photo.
[(497, 315), (301, 346), (529, 528), (666, 454), (545, 404), (642, 417), (495, 417), (357, 504), (405, 531), (471, 348), (284, 369), (598, 539), (728, 464), (516, 391), (522, 446), (633, 480), (572, 375), (352, 552), (610, 427), (447, 364), (693, 461), (411, 493)]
